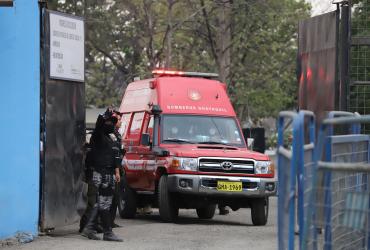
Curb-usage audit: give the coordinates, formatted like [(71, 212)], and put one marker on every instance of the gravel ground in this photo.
[(233, 231)]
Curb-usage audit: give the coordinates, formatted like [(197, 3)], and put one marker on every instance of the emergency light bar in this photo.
[(163, 72)]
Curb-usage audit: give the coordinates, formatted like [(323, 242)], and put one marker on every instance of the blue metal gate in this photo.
[(324, 184)]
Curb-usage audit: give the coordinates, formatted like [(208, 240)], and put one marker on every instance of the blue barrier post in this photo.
[(285, 203), (303, 114), (296, 173), (326, 140)]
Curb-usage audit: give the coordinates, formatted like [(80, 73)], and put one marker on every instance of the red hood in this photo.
[(212, 151)]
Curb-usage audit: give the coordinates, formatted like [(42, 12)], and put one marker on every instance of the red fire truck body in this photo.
[(185, 149)]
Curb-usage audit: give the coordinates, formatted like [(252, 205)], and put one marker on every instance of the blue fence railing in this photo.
[(323, 187), (291, 172)]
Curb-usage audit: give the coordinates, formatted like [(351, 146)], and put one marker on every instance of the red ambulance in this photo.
[(185, 149)]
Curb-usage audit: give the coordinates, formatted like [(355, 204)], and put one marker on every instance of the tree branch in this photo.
[(114, 61), (209, 32)]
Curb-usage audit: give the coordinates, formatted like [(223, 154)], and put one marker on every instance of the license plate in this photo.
[(230, 186)]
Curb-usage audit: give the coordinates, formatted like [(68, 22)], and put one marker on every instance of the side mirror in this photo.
[(160, 152), (255, 138), (145, 139)]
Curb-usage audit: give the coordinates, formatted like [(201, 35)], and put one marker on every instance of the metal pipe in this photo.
[(156, 111), (344, 49)]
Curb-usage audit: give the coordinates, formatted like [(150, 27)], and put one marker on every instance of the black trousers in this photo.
[(92, 194), (104, 182), (113, 210)]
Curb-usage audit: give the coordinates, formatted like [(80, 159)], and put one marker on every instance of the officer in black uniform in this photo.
[(92, 192), (117, 138), (105, 161)]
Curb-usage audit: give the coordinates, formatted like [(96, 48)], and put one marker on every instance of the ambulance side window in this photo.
[(150, 127), (137, 121), (125, 121)]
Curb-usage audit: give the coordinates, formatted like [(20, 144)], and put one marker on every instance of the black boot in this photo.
[(84, 219), (89, 229), (106, 221), (98, 228), (82, 222), (114, 225), (110, 236), (223, 210)]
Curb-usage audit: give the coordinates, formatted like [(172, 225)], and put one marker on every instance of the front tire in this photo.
[(260, 211), (206, 212), (126, 201), (167, 209)]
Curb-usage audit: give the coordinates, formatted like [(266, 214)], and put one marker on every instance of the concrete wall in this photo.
[(19, 122)]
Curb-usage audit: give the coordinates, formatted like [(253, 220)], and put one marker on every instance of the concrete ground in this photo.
[(233, 231)]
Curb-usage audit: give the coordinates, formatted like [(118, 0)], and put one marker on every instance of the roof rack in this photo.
[(164, 72)]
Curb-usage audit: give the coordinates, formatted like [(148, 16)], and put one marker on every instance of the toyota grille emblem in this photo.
[(226, 165)]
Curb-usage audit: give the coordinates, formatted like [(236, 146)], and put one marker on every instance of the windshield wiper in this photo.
[(215, 142), (177, 140)]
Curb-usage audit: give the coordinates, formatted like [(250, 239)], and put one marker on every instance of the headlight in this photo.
[(264, 167), (190, 164)]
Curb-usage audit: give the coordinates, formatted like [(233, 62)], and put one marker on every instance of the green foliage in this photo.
[(250, 43), (265, 51), (360, 22), (272, 141)]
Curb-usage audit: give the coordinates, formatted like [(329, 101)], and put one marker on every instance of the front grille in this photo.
[(213, 184), (216, 165)]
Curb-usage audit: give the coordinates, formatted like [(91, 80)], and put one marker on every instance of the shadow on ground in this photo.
[(190, 220)]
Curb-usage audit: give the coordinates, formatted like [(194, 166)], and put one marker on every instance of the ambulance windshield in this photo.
[(201, 130)]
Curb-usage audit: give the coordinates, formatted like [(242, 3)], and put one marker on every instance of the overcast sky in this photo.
[(321, 6)]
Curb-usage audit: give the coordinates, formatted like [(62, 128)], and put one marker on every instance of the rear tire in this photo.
[(260, 211), (206, 212), (167, 209), (126, 201)]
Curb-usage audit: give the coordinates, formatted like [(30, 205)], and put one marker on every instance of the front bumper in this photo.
[(206, 185)]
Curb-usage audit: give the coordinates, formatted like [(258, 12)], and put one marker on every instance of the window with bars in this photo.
[(359, 90), (360, 64), (360, 102)]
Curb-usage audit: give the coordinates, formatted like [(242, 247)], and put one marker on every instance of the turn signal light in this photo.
[(272, 169), (175, 163)]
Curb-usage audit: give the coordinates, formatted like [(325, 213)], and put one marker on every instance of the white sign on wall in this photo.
[(67, 47)]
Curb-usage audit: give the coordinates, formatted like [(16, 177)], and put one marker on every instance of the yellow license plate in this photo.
[(230, 186)]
